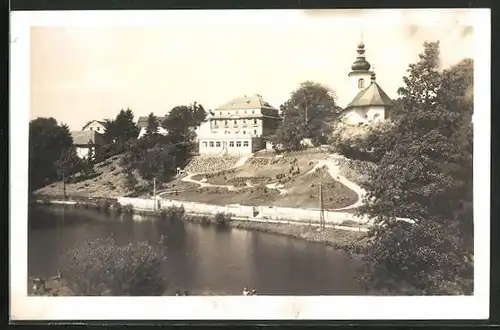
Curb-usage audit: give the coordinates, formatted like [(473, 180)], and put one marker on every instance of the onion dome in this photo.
[(361, 64)]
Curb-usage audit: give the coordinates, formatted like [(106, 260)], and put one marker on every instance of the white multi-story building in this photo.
[(238, 127)]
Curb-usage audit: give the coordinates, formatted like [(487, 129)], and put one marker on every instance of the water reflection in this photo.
[(201, 259)]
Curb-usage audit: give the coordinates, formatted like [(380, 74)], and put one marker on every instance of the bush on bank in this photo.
[(101, 267)]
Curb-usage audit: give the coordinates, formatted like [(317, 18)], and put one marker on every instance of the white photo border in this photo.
[(229, 307)]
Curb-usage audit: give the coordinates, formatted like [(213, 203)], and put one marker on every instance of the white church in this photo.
[(369, 101)]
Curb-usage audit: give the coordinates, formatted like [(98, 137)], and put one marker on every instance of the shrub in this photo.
[(223, 219), (100, 267), (128, 209), (173, 212)]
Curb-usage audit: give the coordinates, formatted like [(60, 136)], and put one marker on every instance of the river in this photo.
[(200, 259)]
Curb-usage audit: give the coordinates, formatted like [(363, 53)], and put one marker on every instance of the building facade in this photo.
[(96, 126), (238, 127), (369, 103)]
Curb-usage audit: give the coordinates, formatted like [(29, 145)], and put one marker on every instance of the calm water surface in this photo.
[(201, 259)]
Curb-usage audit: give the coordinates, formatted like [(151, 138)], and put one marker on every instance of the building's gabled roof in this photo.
[(142, 122), (102, 122), (82, 138), (372, 95), (246, 102)]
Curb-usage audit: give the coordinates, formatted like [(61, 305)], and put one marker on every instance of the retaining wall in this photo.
[(263, 212)]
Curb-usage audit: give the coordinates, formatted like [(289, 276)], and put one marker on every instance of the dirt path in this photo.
[(332, 167)]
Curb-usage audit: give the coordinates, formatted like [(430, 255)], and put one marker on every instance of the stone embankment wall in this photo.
[(243, 211)]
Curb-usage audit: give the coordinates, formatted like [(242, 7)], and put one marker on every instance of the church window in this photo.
[(361, 83)]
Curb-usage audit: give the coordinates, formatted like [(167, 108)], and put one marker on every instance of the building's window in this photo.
[(244, 121), (245, 143), (217, 144), (231, 144), (255, 121), (253, 111), (211, 144), (244, 132), (205, 144), (245, 111), (361, 83), (91, 128), (98, 129), (220, 113), (255, 132), (238, 143), (235, 122)]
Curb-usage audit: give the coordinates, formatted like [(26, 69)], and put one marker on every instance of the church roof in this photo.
[(372, 95), (246, 102)]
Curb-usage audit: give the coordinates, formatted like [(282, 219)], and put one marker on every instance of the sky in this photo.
[(85, 72)]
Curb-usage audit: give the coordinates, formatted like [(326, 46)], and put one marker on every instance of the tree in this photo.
[(290, 132), (182, 121), (426, 177), (110, 132), (101, 267), (314, 104), (67, 164), (152, 128), (47, 142), (126, 129)]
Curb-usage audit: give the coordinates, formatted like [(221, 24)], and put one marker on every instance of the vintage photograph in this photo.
[(327, 155)]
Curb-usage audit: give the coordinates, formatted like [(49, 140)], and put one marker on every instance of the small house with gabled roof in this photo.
[(95, 125)]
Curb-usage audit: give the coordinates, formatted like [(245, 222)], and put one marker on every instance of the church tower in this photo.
[(360, 75)]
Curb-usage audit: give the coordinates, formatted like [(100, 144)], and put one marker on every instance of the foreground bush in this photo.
[(100, 267)]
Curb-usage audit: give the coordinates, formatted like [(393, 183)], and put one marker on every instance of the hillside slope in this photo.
[(110, 181)]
